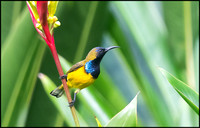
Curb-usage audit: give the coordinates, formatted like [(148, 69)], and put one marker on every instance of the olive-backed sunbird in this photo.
[(83, 73)]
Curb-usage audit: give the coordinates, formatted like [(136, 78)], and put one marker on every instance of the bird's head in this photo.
[(98, 52)]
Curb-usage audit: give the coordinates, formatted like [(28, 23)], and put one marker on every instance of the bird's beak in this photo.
[(111, 47)]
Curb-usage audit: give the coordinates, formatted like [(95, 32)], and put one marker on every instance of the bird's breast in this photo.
[(79, 78)]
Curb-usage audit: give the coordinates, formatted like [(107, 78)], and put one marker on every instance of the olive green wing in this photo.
[(76, 66)]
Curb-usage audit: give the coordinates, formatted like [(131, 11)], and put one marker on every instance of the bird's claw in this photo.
[(63, 77), (71, 103)]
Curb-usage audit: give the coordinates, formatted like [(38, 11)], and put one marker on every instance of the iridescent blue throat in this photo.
[(93, 68)]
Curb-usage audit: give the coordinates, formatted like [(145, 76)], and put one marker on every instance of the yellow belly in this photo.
[(79, 79)]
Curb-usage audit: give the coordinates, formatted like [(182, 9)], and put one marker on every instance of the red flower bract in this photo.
[(43, 12)]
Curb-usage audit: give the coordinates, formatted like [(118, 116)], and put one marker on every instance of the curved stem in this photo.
[(43, 12), (58, 65)]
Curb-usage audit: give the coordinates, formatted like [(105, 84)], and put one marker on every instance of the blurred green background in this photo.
[(150, 35)]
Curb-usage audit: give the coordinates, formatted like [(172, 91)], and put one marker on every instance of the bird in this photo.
[(83, 73)]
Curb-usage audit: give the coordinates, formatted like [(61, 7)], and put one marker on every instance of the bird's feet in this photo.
[(71, 103), (63, 77)]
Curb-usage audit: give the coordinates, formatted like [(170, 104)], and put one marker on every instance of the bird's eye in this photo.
[(101, 50)]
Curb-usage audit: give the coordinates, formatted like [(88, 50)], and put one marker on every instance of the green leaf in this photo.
[(60, 103), (126, 117), (187, 93)]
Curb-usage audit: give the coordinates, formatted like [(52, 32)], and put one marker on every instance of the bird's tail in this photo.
[(58, 91)]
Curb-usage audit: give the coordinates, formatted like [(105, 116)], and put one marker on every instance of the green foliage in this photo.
[(187, 93), (150, 34), (126, 117), (20, 67)]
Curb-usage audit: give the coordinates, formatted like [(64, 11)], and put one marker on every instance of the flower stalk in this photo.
[(42, 15)]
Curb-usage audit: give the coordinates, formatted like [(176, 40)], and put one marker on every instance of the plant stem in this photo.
[(42, 12), (60, 71)]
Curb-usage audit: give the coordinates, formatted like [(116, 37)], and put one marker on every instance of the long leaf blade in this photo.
[(187, 93)]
